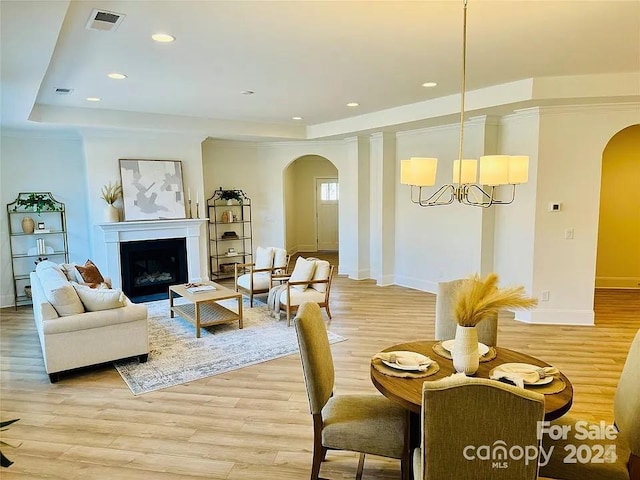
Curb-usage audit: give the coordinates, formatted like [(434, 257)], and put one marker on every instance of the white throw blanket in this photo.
[(273, 300)]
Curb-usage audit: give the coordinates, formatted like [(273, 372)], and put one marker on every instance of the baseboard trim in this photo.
[(416, 283), (618, 282), (558, 317), (7, 301)]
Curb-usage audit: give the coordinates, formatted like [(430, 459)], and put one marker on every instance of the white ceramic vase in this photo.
[(111, 214), (465, 350)]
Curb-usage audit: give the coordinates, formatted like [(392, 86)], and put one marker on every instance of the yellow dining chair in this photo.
[(360, 423), (601, 458), (465, 420)]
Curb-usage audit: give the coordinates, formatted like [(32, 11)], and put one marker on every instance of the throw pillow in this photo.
[(95, 300), (321, 273), (303, 271), (57, 289), (69, 269), (264, 258), (90, 273), (279, 258)]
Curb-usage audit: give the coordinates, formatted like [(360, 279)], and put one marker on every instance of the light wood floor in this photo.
[(254, 423)]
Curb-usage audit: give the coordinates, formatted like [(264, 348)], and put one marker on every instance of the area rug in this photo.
[(176, 356)]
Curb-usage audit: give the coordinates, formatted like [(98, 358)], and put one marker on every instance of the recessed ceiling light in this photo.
[(429, 84), (117, 76), (247, 92), (163, 37), (296, 118), (93, 99), (353, 104)]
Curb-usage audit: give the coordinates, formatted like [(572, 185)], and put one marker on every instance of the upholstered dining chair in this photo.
[(310, 281), (361, 423), (445, 320), (267, 262), (465, 418), (617, 458)]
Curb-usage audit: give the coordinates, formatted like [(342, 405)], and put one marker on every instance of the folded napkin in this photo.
[(521, 373), (405, 358)]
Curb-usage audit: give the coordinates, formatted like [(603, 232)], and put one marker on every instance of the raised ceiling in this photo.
[(301, 58)]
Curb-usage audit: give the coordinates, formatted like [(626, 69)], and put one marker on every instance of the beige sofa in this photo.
[(73, 334)]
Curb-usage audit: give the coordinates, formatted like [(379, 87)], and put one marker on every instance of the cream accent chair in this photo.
[(360, 423), (626, 412), (460, 411), (314, 285), (445, 316), (267, 262)]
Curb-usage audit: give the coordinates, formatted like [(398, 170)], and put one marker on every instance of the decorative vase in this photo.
[(111, 214), (28, 225), (229, 202), (465, 350)]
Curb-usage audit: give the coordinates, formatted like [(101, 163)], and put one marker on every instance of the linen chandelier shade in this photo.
[(494, 170), (419, 171)]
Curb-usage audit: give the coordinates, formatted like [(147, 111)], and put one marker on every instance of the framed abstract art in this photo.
[(152, 189)]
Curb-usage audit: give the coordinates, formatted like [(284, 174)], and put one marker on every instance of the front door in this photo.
[(327, 213)]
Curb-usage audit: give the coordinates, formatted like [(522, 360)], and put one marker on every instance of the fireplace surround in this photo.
[(191, 230)]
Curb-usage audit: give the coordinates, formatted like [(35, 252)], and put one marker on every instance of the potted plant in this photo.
[(111, 193), (37, 202), (476, 299), (230, 195)]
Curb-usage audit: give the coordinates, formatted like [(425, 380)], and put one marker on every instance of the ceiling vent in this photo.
[(104, 20), (64, 91)]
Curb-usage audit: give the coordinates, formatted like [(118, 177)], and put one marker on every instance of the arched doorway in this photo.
[(311, 197), (617, 294), (618, 254)]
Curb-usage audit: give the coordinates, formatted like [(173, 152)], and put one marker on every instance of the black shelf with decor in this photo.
[(230, 232), (37, 231)]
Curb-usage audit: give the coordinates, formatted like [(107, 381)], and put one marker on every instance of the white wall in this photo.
[(102, 152), (571, 144), (44, 162), (435, 244), (515, 223), (259, 171)]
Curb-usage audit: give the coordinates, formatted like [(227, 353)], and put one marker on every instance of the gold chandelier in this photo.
[(495, 170)]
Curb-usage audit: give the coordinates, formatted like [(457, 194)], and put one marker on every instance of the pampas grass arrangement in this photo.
[(478, 298), (111, 193)]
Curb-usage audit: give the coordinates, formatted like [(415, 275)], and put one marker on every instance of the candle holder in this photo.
[(190, 216), (197, 210)]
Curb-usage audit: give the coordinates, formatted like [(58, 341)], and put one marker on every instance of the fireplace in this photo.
[(191, 231), (149, 267)]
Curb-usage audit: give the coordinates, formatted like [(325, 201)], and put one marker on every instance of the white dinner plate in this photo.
[(543, 381), (448, 346), (410, 368)]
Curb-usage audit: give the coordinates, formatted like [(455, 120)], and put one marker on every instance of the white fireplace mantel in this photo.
[(118, 232)]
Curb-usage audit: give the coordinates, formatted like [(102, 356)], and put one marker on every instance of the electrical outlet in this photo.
[(545, 295), (568, 234)]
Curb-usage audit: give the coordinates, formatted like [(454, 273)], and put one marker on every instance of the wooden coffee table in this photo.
[(203, 309)]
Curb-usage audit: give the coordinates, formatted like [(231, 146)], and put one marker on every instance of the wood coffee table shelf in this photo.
[(203, 309)]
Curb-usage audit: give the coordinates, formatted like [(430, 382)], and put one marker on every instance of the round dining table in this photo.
[(408, 391)]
